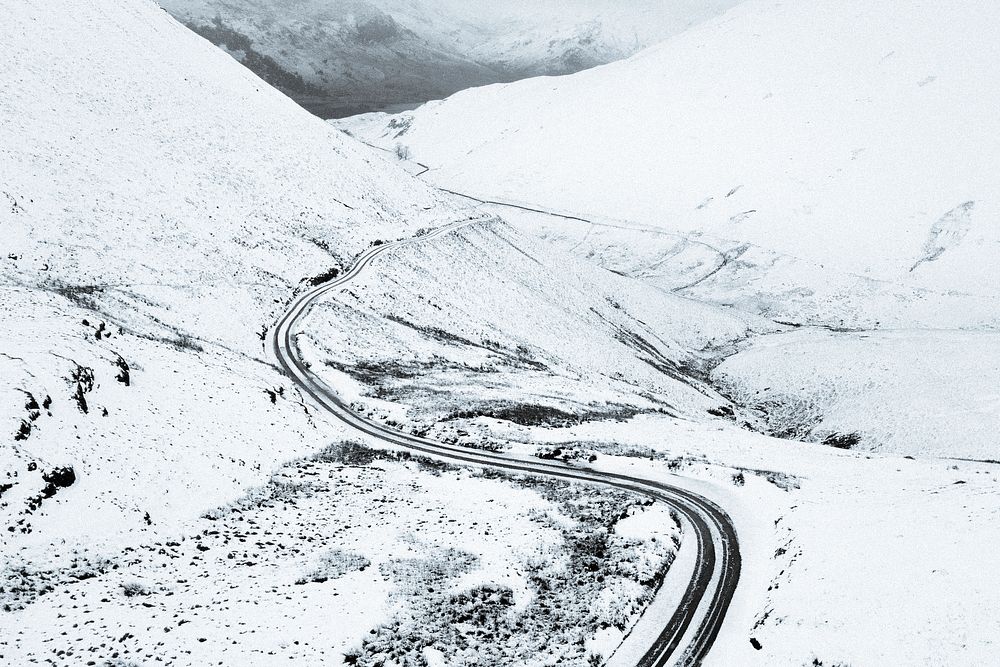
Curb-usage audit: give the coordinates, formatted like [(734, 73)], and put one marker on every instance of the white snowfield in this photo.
[(825, 164), (855, 137), (160, 207)]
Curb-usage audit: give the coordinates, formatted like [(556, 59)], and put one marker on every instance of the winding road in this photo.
[(688, 635)]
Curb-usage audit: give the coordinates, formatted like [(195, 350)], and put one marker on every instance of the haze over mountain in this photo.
[(339, 57)]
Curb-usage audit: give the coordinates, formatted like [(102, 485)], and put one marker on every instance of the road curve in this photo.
[(707, 596)]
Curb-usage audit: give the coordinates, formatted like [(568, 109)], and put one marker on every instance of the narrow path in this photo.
[(723, 257), (704, 603)]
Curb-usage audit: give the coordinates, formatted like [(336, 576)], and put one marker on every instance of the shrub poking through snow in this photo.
[(842, 440), (335, 565), (59, 477), (131, 589), (83, 377), (322, 278), (124, 375)]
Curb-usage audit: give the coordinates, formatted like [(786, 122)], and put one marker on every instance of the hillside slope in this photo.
[(162, 206), (165, 206), (839, 156), (828, 165)]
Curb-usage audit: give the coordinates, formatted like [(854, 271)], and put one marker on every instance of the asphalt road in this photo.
[(709, 593)]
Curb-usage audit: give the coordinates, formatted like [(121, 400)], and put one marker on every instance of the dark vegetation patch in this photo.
[(401, 124), (124, 374), (131, 589), (377, 372), (55, 479), (84, 296), (334, 565), (22, 584), (323, 277), (83, 379), (481, 626), (353, 453), (183, 342), (842, 440), (528, 414), (516, 357), (262, 65), (565, 454), (180, 341), (23, 431), (724, 411), (59, 478)]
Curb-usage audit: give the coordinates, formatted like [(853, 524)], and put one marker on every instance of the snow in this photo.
[(822, 141), (162, 207), (178, 217), (821, 165), (812, 385), (247, 584), (837, 542)]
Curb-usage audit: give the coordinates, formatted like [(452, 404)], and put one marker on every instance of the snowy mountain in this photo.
[(339, 58), (858, 138), (827, 165)]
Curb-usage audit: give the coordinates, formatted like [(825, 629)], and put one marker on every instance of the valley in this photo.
[(689, 357)]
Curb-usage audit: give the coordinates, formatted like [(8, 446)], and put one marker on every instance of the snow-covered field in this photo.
[(849, 558), (852, 142), (352, 552), (161, 207)]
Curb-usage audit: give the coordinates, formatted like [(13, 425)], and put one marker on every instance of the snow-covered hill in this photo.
[(824, 164), (339, 58), (847, 148), (161, 206)]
